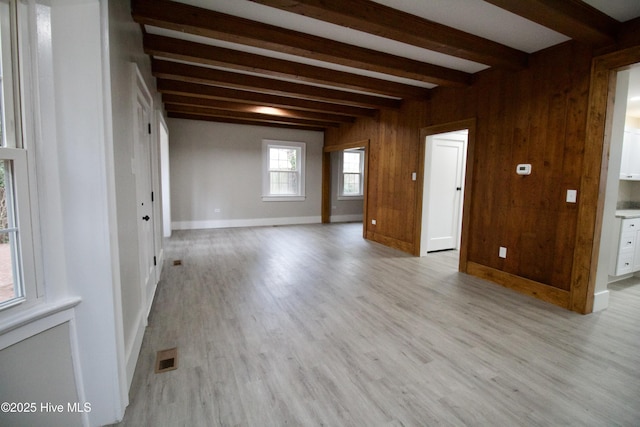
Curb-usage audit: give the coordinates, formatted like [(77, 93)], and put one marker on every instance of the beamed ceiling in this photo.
[(314, 64)]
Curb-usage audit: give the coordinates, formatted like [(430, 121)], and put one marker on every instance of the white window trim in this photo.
[(341, 195), (266, 197)]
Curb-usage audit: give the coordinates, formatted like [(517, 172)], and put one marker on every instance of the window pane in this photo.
[(7, 118), (282, 159), (351, 162), (351, 184), (283, 183), (10, 286), (283, 170)]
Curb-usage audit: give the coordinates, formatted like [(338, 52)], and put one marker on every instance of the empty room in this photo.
[(320, 212)]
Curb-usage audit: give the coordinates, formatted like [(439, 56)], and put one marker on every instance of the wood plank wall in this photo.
[(393, 157), (538, 116)]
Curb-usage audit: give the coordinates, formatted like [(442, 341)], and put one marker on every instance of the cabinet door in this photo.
[(630, 164), (636, 258)]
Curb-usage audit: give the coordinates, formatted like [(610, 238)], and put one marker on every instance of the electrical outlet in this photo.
[(373, 221), (216, 210), (502, 253)]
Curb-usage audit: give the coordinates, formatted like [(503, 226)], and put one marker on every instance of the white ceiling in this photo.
[(474, 16), (622, 10)]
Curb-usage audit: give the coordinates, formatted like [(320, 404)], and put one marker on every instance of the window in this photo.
[(283, 170), (351, 174), (16, 254)]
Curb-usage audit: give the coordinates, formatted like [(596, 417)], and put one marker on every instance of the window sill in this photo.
[(35, 313), (283, 198), (350, 197)]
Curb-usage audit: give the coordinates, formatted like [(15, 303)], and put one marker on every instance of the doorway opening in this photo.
[(347, 185), (619, 255), (344, 183), (446, 153)]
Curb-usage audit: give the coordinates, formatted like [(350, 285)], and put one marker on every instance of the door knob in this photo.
[(146, 217), (458, 188)]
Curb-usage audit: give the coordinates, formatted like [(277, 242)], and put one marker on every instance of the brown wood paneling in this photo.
[(538, 116), (393, 156), (326, 187)]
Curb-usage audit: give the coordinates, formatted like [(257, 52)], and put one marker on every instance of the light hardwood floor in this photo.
[(315, 326)]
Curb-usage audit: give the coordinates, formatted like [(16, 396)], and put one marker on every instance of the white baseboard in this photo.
[(256, 222), (600, 301), (346, 218)]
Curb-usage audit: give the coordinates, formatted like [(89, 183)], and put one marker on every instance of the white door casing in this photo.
[(445, 163)]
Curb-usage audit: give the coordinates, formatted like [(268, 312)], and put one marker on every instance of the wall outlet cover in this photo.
[(502, 253)]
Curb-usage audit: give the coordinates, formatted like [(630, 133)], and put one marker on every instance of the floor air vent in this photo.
[(167, 360), (177, 262)]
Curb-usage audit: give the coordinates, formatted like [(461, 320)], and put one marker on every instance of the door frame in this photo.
[(469, 124), (594, 175), (326, 179)]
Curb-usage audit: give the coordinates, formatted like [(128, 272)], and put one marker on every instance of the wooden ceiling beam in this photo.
[(384, 21), (199, 53), (208, 23), (248, 108), (573, 18), (267, 100), (195, 74), (257, 117), (173, 115)]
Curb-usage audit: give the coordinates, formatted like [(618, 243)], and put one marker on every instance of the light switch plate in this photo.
[(572, 196)]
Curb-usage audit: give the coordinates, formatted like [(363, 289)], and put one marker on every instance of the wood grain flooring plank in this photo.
[(313, 325)]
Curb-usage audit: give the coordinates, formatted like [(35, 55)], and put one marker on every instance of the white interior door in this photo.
[(445, 161), (142, 169)]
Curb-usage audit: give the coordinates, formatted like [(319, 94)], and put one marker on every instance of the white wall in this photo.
[(125, 48), (25, 378), (218, 166), (83, 146)]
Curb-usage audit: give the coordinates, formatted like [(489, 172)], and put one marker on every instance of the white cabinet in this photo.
[(636, 256), (630, 165), (626, 255)]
